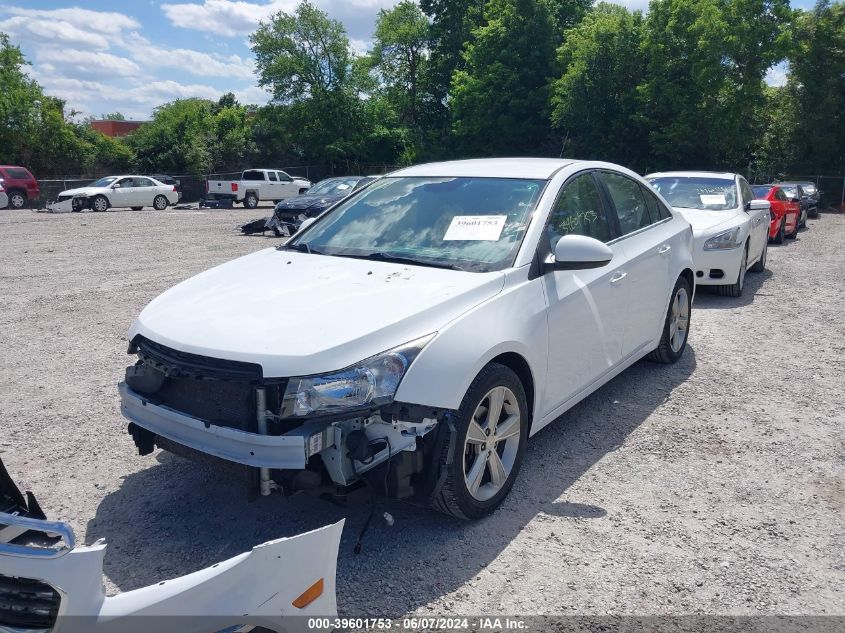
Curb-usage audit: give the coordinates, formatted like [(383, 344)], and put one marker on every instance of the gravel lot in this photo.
[(714, 486)]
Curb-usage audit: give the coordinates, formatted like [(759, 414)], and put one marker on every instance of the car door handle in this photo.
[(617, 278), (664, 249)]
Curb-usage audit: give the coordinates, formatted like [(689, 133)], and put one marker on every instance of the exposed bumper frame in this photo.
[(284, 452)]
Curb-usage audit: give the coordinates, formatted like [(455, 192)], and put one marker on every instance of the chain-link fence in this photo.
[(193, 188)]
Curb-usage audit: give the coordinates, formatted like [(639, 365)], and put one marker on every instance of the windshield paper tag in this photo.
[(713, 199), (476, 227)]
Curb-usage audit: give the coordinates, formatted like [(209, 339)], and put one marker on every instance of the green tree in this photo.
[(399, 55), (594, 102), (817, 86), (706, 62), (500, 100), (568, 13)]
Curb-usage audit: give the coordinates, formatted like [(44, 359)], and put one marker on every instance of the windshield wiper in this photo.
[(398, 259), (302, 247)]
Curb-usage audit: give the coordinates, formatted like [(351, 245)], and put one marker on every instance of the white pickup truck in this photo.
[(255, 185)]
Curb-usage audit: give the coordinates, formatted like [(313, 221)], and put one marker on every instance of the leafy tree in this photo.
[(400, 54), (568, 13), (113, 116), (817, 86), (594, 102), (500, 100)]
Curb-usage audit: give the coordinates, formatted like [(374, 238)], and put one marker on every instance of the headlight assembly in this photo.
[(372, 382), (723, 240)]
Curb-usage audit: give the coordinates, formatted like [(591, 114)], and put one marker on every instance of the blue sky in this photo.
[(105, 56)]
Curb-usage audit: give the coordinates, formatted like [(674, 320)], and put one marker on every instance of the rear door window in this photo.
[(656, 209), (17, 173), (630, 202), (273, 177), (253, 174)]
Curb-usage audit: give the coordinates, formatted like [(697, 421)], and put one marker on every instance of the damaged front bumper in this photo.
[(279, 585), (68, 205)]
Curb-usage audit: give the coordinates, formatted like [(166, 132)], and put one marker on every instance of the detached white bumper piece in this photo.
[(280, 585)]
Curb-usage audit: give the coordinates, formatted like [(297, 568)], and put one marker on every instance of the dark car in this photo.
[(796, 193), (290, 213), (811, 192), (21, 186), (169, 180)]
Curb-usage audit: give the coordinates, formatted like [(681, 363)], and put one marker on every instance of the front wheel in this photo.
[(160, 203), (778, 239), (482, 459), (673, 341), (16, 200), (760, 265), (100, 203), (735, 289)]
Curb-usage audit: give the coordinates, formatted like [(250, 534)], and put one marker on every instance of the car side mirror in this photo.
[(758, 205), (579, 252)]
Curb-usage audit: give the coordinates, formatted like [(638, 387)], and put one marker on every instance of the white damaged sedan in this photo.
[(135, 192), (417, 333), (731, 227)]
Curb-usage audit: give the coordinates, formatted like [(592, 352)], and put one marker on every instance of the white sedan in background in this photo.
[(444, 313), (135, 192), (730, 226)]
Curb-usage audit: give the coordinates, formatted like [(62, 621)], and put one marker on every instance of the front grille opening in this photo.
[(716, 273), (174, 363), (27, 604)]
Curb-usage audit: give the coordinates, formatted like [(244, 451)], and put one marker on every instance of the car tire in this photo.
[(136, 208), (803, 223), (160, 202), (250, 201), (778, 239), (100, 203), (465, 466), (814, 214), (735, 289), (673, 340), (17, 200), (303, 190), (760, 265), (794, 234)]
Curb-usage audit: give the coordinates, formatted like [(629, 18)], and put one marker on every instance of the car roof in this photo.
[(797, 182), (724, 175), (541, 168)]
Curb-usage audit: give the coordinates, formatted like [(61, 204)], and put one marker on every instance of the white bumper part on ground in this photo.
[(278, 585)]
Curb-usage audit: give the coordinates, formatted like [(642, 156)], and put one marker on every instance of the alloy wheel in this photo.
[(679, 322), (492, 443)]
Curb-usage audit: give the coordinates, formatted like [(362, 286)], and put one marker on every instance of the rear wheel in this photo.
[(673, 341), (735, 289), (251, 201), (17, 200), (482, 460), (160, 202)]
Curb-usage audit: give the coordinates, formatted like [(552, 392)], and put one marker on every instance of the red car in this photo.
[(20, 185), (784, 212)]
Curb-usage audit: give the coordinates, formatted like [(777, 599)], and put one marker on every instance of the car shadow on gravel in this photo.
[(178, 516), (707, 299)]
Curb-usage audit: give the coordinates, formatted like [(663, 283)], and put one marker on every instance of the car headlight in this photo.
[(723, 240), (372, 382)]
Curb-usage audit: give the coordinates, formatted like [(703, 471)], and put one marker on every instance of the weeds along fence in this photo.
[(193, 187)]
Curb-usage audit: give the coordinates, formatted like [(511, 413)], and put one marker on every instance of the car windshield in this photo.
[(333, 186), (761, 191), (473, 224), (695, 192), (103, 182), (809, 188)]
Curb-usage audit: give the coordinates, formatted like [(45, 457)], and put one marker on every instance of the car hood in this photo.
[(298, 314), (82, 191), (703, 221), (300, 203)]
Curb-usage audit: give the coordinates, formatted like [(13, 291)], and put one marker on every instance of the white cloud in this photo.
[(85, 19), (33, 31), (632, 5), (79, 63), (237, 17)]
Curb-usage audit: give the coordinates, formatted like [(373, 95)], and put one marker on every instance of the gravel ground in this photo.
[(714, 486)]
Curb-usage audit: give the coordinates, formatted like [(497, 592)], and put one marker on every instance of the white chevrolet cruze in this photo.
[(731, 227), (418, 332)]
